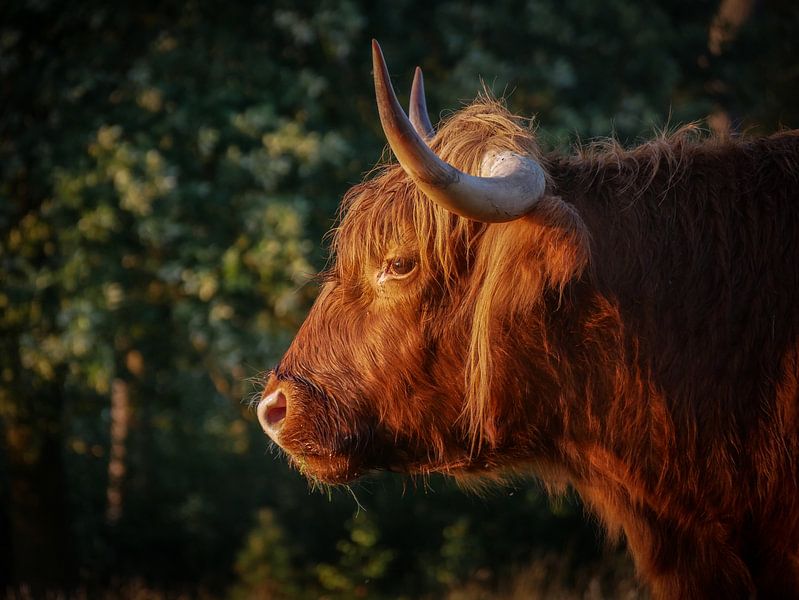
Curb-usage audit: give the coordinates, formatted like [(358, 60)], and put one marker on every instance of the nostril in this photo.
[(272, 411), (275, 415), (277, 411)]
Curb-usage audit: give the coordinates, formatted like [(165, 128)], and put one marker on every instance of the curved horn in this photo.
[(510, 184), (417, 108)]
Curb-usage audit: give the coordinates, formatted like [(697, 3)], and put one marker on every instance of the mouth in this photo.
[(335, 466), (327, 469)]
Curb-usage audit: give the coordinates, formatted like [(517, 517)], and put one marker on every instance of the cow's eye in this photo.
[(399, 266)]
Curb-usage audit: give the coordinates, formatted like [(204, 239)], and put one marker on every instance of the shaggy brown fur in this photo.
[(636, 336)]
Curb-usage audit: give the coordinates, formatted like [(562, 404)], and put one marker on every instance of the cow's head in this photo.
[(425, 350)]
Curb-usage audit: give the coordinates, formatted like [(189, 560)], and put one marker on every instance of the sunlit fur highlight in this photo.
[(378, 212), (635, 336)]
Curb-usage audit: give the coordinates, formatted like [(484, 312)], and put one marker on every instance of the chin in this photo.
[(329, 470)]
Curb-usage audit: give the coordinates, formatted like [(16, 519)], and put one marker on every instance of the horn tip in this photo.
[(378, 62), (418, 80), (417, 89)]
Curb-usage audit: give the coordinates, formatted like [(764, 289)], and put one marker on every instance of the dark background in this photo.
[(167, 172)]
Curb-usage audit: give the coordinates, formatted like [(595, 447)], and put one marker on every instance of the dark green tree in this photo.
[(167, 171)]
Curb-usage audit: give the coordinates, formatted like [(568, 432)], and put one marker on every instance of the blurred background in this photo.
[(167, 173)]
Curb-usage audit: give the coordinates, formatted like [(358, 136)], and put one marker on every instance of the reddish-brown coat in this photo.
[(636, 337)]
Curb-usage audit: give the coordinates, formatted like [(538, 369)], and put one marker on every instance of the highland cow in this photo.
[(625, 322)]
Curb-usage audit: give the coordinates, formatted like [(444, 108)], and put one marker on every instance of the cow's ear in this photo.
[(518, 260), (515, 264)]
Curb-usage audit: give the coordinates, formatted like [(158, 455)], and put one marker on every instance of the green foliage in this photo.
[(361, 561), (167, 171), (264, 563)]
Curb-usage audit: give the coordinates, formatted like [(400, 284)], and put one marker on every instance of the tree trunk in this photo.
[(117, 465)]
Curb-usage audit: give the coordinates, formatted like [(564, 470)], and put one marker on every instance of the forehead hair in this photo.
[(388, 211)]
